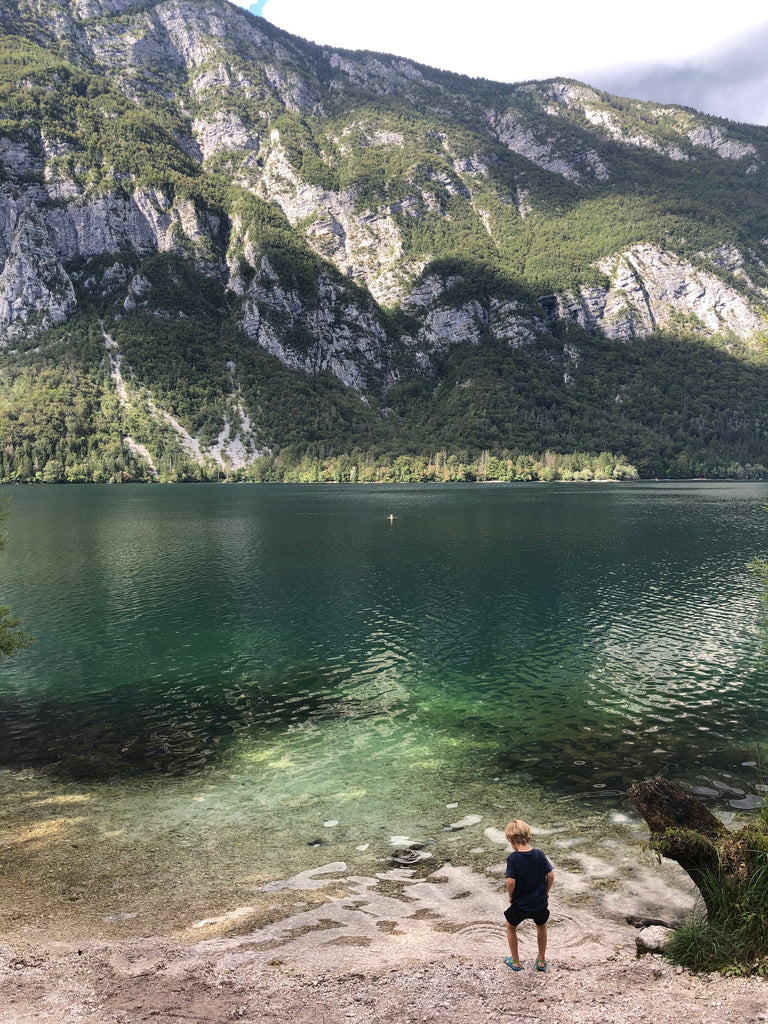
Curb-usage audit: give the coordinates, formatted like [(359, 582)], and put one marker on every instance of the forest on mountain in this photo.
[(228, 253)]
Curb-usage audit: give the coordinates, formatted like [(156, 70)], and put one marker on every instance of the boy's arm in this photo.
[(510, 888), (550, 880)]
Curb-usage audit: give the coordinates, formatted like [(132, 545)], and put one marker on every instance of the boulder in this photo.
[(653, 939)]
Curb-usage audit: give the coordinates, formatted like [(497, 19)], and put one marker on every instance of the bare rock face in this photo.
[(338, 334), (692, 129), (232, 80), (445, 323), (648, 288), (224, 132), (106, 224), (35, 290), (712, 137), (542, 150), (38, 239), (424, 294), (383, 75), (470, 322), (17, 157), (366, 245)]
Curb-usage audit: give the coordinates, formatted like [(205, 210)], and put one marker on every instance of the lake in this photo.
[(229, 676)]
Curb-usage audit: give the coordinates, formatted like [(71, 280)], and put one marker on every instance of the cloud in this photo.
[(731, 83), (669, 52)]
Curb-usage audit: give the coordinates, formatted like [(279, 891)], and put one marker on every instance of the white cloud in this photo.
[(732, 82), (501, 39), (512, 42)]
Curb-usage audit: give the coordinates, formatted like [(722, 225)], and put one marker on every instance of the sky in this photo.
[(672, 51)]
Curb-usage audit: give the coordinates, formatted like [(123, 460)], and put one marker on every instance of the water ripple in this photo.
[(597, 633)]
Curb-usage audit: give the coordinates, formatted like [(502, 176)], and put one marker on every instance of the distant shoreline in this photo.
[(376, 483)]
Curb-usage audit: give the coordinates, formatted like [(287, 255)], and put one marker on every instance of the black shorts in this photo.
[(514, 915)]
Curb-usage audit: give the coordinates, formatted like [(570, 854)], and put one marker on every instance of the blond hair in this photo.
[(518, 832)]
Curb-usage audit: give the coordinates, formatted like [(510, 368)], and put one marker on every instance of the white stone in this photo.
[(653, 939), (467, 821)]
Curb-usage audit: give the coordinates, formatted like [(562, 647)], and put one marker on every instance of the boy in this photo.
[(529, 879)]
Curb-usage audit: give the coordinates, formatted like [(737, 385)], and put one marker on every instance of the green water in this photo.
[(290, 656)]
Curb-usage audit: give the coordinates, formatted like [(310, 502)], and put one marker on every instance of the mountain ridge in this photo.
[(245, 215)]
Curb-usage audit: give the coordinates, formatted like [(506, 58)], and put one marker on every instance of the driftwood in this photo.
[(684, 830)]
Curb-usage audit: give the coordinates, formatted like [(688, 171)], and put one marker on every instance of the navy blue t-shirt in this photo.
[(529, 870)]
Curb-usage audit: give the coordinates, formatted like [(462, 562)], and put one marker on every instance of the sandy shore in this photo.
[(399, 946)]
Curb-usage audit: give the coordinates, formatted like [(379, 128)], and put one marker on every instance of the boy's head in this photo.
[(518, 833)]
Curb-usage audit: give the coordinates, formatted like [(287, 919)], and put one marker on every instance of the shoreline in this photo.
[(346, 941), (394, 948), (386, 483), (119, 920)]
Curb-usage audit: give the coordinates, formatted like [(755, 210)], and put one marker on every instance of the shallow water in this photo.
[(225, 675)]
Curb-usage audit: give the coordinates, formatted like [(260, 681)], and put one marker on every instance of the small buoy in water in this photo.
[(391, 517)]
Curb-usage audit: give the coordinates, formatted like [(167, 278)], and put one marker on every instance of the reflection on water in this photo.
[(300, 645)]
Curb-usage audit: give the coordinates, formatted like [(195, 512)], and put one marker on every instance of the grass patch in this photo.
[(732, 936)]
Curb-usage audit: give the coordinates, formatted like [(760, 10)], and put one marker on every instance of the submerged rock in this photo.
[(410, 856), (465, 822)]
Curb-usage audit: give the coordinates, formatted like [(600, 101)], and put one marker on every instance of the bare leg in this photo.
[(512, 940), (541, 939)]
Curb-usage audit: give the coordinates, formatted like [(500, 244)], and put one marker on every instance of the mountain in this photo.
[(226, 250)]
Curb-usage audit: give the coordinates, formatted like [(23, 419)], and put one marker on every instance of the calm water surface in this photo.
[(488, 644)]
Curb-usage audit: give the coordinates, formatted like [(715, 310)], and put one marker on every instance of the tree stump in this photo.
[(720, 863), (666, 805)]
